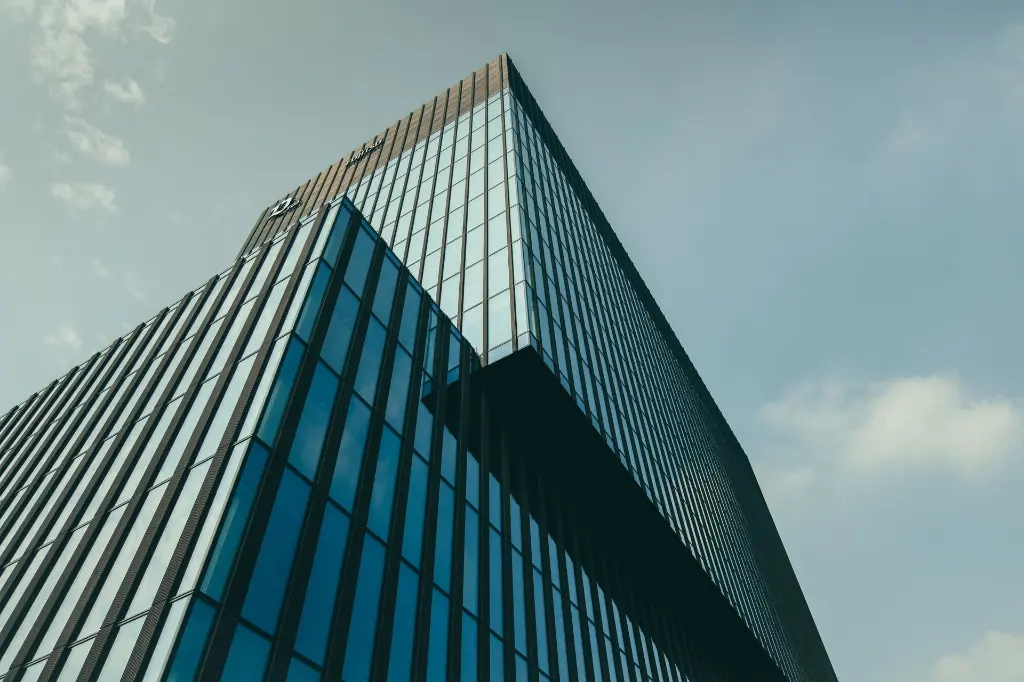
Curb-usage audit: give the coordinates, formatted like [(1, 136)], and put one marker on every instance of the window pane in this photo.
[(445, 529), (437, 656), (168, 632), (369, 363), (383, 494), (542, 624), (469, 654), (316, 414), (269, 579), (302, 672), (385, 296), (498, 660), (315, 623), (338, 232), (314, 298), (398, 394), (410, 317), (359, 649), (400, 667), (223, 555), (350, 454), (247, 658), (282, 390), (339, 334), (496, 600), (359, 264), (193, 641), (471, 561), (416, 506)]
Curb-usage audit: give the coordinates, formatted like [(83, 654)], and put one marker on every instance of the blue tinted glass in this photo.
[(339, 334), (448, 455), (416, 507), (542, 624), (496, 600), (594, 652), (522, 671), (400, 667), (410, 317), (424, 428), (494, 490), (193, 641), (498, 660), (454, 348), (350, 454), (385, 296), (473, 480), (359, 650), (437, 657), (563, 660), (570, 579), (359, 264), (553, 558), (538, 549), (518, 602), (398, 394), (515, 523), (469, 657), (428, 355), (369, 363), (383, 494), (316, 414), (337, 235), (247, 658), (314, 298), (445, 528), (223, 554), (471, 561), (278, 399), (577, 639), (269, 579), (315, 623), (302, 672)]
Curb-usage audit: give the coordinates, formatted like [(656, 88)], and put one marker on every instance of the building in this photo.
[(429, 425)]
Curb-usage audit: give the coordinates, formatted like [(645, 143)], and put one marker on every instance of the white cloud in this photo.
[(85, 195), (898, 425), (998, 657), (161, 28), (63, 338), (127, 92), (61, 56), (91, 141), (100, 270)]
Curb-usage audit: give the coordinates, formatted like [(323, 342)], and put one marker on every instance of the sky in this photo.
[(824, 197)]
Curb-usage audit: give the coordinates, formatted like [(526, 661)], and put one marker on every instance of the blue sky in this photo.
[(824, 197)]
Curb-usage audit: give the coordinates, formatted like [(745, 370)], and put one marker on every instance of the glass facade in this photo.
[(306, 468)]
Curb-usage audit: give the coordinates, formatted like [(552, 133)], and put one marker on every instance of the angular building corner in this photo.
[(430, 425)]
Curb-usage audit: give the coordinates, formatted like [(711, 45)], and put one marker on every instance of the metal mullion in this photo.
[(94, 524), (320, 197), (142, 649), (178, 478), (419, 177), (391, 187), (589, 552), (528, 596), (404, 257), (295, 592), (433, 188), (27, 431), (110, 553), (424, 600), (12, 417), (393, 559), (43, 451), (237, 586), (575, 538), (13, 580), (561, 522), (543, 513), (306, 194), (110, 368)]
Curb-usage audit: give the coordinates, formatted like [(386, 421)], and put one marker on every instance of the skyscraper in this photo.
[(429, 425)]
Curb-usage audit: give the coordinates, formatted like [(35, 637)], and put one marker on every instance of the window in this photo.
[(445, 531), (385, 296), (437, 656), (322, 587), (403, 633), (416, 506), (398, 394), (359, 264), (314, 298), (280, 392), (312, 428), (359, 649), (350, 454), (193, 642), (270, 577), (247, 657), (369, 363), (339, 334), (471, 561)]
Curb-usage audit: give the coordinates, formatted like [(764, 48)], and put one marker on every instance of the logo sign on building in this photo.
[(362, 154), (283, 206)]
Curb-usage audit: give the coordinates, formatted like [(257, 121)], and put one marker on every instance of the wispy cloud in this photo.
[(93, 142), (61, 56), (100, 270), (998, 657), (850, 432), (64, 337), (85, 195), (126, 92)]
